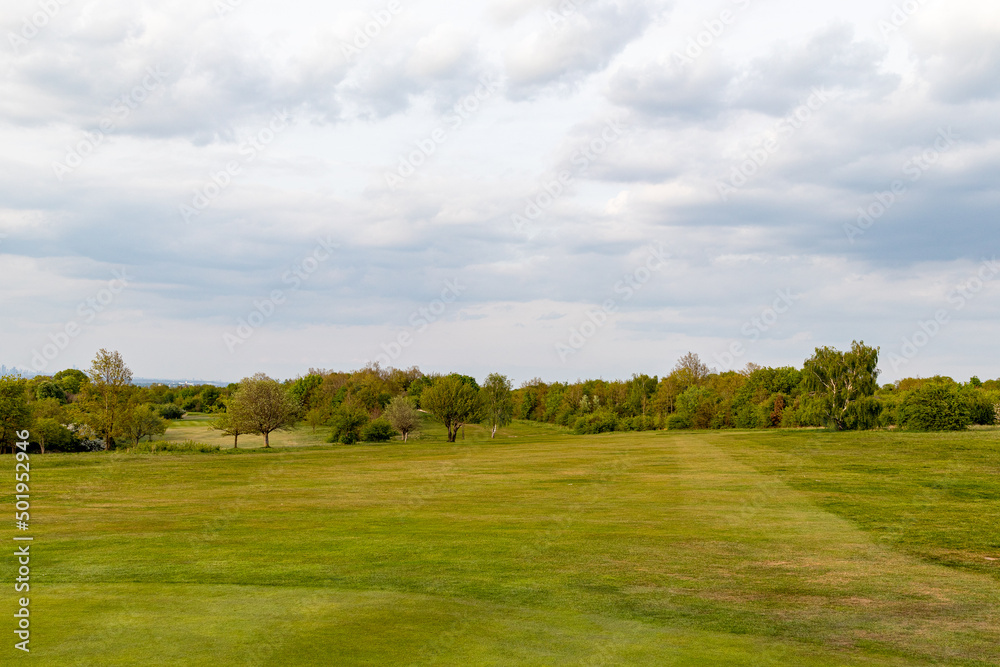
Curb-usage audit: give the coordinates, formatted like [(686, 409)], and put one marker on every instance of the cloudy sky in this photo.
[(548, 188)]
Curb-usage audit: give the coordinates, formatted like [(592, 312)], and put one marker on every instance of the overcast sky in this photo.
[(558, 189)]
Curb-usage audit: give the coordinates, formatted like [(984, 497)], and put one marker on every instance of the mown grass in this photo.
[(539, 547)]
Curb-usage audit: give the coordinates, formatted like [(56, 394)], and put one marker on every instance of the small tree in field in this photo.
[(498, 404), (402, 415), (454, 401), (233, 421), (266, 405), (110, 380)]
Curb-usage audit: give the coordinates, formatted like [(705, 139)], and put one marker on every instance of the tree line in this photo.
[(99, 409)]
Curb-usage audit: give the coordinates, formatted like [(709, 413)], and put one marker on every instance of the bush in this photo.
[(347, 424), (678, 421), (936, 407), (599, 421), (378, 430), (171, 411)]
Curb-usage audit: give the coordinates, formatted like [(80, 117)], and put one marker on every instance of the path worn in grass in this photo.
[(619, 549)]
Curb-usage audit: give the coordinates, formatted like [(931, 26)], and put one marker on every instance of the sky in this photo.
[(560, 189)]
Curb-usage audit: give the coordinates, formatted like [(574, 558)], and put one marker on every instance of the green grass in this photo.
[(539, 547)]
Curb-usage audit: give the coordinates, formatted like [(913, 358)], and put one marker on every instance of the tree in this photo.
[(839, 380), (266, 405), (402, 415), (71, 380), (936, 406), (498, 405), (110, 379), (14, 412), (348, 421), (454, 401), (233, 421), (690, 370), (141, 421), (48, 431)]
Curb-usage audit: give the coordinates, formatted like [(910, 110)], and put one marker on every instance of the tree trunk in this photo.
[(494, 433), (236, 438), (266, 443)]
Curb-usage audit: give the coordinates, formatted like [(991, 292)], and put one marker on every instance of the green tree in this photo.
[(266, 405), (840, 379), (402, 415), (498, 404), (48, 431), (140, 421), (110, 380), (348, 421), (71, 380), (15, 415), (936, 406), (233, 421), (454, 401)]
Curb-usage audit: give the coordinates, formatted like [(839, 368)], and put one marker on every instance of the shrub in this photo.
[(678, 421), (599, 421), (378, 430), (171, 411), (936, 407), (347, 424)]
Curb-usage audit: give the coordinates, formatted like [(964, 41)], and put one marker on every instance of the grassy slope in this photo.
[(544, 548)]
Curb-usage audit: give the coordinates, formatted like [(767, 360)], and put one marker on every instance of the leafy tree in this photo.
[(498, 406), (316, 417), (266, 405), (14, 412), (171, 411), (71, 380), (402, 415), (110, 380), (233, 421), (840, 379), (348, 421), (48, 389), (48, 431), (936, 406), (454, 401), (142, 421)]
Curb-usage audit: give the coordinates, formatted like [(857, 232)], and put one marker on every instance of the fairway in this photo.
[(538, 548)]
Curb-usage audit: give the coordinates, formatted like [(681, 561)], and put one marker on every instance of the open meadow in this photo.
[(537, 548)]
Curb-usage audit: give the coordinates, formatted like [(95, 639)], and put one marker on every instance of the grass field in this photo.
[(541, 548)]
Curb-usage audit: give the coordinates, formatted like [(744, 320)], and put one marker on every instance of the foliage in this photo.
[(378, 430), (839, 379), (110, 381), (266, 405), (348, 422), (600, 421), (170, 411), (936, 406), (455, 401), (15, 415), (498, 407), (402, 416), (161, 447)]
